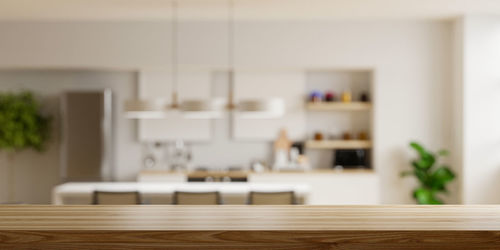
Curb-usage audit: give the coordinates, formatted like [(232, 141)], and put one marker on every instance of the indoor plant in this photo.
[(22, 126), (431, 175)]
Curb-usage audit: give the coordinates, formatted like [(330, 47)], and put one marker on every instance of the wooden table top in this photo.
[(249, 227), (319, 218)]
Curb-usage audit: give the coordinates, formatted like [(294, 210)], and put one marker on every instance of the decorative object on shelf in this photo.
[(318, 136), (346, 136), (329, 96), (316, 96), (363, 136), (432, 179), (346, 96), (23, 126), (364, 97)]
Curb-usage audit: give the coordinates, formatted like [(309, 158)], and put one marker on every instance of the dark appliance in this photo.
[(351, 158)]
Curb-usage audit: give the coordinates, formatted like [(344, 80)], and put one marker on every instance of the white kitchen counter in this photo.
[(161, 193), (326, 186)]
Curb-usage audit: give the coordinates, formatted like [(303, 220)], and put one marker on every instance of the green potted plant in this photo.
[(431, 175), (22, 126)]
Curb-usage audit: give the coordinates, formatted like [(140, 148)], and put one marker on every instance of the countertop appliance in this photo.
[(351, 158), (86, 136)]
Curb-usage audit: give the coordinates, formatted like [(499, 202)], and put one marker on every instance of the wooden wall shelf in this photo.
[(339, 106), (338, 144)]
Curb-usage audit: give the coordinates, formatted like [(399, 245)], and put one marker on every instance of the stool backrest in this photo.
[(197, 198), (116, 198), (272, 198)]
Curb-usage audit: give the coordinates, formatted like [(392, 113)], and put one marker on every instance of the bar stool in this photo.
[(272, 198), (197, 198), (116, 198)]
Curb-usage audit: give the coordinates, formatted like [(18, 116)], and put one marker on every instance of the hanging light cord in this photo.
[(230, 54), (175, 61)]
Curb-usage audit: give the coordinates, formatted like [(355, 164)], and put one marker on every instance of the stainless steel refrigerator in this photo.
[(86, 153)]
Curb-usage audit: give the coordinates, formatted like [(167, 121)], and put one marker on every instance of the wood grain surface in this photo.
[(249, 227)]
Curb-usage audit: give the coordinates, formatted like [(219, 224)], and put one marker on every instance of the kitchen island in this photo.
[(250, 227), (326, 186), (156, 193)]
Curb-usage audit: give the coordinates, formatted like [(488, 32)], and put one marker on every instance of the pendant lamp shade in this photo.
[(146, 109), (268, 108), (203, 109)]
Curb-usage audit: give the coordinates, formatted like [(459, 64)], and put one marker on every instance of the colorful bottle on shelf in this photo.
[(363, 136), (346, 96), (318, 136), (330, 96), (346, 136), (316, 96)]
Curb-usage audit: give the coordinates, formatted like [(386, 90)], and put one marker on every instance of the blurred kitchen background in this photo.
[(321, 98)]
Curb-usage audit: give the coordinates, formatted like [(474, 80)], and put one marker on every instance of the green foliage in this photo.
[(432, 179), (22, 126)]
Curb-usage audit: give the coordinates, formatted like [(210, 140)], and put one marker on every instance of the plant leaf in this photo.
[(426, 160), (426, 197), (417, 147), (440, 177), (22, 125)]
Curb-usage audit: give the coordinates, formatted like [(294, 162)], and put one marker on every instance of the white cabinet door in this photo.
[(330, 188), (192, 84), (288, 85)]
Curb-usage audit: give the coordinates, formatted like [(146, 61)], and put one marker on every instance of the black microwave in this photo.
[(351, 158)]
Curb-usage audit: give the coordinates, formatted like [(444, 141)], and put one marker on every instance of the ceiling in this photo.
[(64, 10)]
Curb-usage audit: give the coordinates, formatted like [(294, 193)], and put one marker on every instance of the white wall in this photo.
[(481, 102), (411, 62)]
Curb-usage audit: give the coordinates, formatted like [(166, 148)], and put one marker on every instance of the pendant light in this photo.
[(202, 108), (157, 108), (145, 108), (255, 108), (175, 58), (258, 108)]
